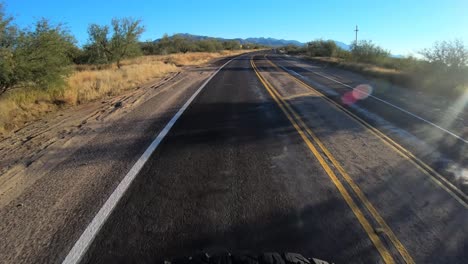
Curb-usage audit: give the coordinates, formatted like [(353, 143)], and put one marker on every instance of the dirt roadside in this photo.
[(32, 151), (57, 171)]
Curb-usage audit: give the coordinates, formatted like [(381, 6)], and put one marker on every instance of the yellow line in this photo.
[(298, 95), (398, 245), (406, 154), (357, 212)]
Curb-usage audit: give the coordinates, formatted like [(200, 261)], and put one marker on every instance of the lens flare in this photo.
[(360, 92), (348, 98)]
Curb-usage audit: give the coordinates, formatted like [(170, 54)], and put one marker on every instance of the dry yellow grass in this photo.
[(197, 58), (89, 85), (90, 82), (22, 105)]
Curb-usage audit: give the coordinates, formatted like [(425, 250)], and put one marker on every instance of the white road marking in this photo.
[(387, 103), (87, 237)]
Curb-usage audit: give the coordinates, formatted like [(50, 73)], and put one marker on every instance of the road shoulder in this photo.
[(66, 166)]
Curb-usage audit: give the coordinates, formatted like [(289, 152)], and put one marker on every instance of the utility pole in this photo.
[(356, 30)]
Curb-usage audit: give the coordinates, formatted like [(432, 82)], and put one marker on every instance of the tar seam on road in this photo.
[(394, 106), (82, 244), (434, 176), (386, 256)]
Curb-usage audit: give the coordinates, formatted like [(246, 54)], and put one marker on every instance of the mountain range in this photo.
[(272, 42)]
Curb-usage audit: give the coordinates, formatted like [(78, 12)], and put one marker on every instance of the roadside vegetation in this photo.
[(42, 69), (180, 43), (441, 69)]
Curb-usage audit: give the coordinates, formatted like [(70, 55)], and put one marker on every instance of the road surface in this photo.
[(261, 160)]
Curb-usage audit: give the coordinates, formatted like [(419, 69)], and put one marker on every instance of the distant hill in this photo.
[(272, 42)]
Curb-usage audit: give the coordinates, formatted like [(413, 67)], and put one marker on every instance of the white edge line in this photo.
[(87, 237), (392, 105)]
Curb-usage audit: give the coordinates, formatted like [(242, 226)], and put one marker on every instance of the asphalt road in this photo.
[(43, 222), (238, 171), (425, 123), (257, 162)]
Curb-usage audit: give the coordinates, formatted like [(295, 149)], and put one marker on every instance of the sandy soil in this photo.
[(30, 152)]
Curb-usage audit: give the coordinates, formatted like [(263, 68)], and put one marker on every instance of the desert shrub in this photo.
[(180, 43), (293, 49), (113, 44), (445, 67), (322, 48), (451, 54), (37, 57), (368, 52)]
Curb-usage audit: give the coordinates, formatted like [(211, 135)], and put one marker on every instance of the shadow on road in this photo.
[(225, 178)]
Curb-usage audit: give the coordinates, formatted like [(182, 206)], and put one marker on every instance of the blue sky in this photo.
[(403, 27)]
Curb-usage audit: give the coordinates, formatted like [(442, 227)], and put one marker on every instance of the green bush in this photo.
[(293, 49), (42, 55), (443, 69), (37, 57), (343, 54), (231, 45), (451, 54), (8, 38), (322, 48), (366, 51), (123, 43), (209, 45), (179, 43)]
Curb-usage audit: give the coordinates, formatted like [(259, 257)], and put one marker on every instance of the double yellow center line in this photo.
[(310, 138), (434, 176)]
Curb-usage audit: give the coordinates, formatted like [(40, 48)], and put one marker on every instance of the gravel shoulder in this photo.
[(57, 171)]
